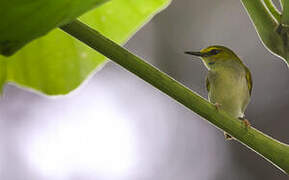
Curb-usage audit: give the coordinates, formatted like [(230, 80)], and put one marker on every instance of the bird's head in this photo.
[(215, 56)]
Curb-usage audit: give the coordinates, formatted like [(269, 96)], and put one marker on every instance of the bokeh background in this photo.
[(117, 127)]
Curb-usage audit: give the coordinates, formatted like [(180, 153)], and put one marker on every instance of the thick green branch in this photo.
[(276, 14), (272, 150)]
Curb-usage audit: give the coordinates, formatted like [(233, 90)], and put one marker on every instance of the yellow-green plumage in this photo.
[(228, 81)]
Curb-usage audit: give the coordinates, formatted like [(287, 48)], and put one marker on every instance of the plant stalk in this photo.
[(271, 30), (274, 151), (285, 13), (273, 10)]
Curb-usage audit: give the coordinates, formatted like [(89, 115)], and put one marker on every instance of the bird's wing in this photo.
[(249, 79), (207, 84)]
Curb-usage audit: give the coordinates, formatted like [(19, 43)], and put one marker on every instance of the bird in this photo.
[(228, 82)]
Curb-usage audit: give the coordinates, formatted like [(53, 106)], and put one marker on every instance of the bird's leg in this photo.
[(245, 121), (218, 106)]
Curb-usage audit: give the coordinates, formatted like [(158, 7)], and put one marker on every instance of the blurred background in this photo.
[(117, 127)]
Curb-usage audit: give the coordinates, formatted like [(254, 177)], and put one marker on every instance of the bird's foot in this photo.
[(218, 106), (227, 136), (245, 122)]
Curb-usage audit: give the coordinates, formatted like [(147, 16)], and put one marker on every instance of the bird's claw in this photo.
[(227, 136), (245, 122), (218, 106)]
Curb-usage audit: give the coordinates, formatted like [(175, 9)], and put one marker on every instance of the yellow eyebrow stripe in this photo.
[(208, 49)]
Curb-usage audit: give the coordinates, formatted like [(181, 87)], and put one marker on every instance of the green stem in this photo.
[(285, 13), (281, 3), (274, 151), (259, 15), (273, 10), (266, 26)]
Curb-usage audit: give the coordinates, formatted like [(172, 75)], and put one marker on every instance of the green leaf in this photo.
[(266, 19), (57, 63), (25, 20)]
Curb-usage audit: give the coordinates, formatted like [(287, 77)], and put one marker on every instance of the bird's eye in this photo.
[(214, 51)]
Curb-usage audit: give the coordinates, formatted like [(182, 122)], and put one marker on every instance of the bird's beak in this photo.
[(195, 53)]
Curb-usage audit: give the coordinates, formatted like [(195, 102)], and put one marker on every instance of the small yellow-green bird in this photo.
[(228, 82)]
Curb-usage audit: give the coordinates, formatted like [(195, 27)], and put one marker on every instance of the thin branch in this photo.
[(274, 151), (273, 10)]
